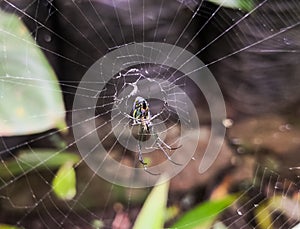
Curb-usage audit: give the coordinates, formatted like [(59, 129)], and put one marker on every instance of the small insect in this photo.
[(142, 118)]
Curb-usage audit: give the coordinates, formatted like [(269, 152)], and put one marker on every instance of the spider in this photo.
[(142, 118)]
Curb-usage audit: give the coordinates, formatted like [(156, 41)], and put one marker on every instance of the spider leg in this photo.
[(147, 171), (141, 159), (143, 162), (166, 145), (136, 121), (167, 155), (159, 144)]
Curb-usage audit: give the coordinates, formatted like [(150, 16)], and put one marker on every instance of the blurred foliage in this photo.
[(39, 159), (246, 5), (204, 215), (5, 226), (64, 183), (31, 102), (152, 215), (154, 212), (263, 217), (283, 204), (171, 212), (31, 99), (97, 224)]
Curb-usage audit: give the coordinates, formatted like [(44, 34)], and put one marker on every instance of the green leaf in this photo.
[(205, 214), (64, 183), (263, 216), (97, 224), (246, 5), (289, 206), (153, 212), (30, 96), (39, 159), (5, 226), (171, 213)]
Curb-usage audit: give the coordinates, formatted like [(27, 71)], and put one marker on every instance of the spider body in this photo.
[(142, 118), (142, 115)]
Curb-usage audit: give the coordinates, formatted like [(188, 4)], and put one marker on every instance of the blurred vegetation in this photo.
[(246, 5), (40, 159), (154, 212), (31, 103), (4, 226), (204, 215), (33, 100)]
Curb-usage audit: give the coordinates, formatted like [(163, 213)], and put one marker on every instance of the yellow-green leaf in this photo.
[(204, 215), (171, 213), (246, 5), (32, 160), (152, 214), (290, 207), (30, 97), (263, 216), (97, 224), (64, 183), (6, 226)]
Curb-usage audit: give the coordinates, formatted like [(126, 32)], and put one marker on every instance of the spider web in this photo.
[(75, 34)]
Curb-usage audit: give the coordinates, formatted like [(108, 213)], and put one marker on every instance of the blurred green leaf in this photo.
[(97, 224), (5, 226), (64, 183), (153, 212), (288, 206), (280, 203), (246, 5), (39, 159), (171, 213), (263, 216), (205, 214), (30, 96)]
